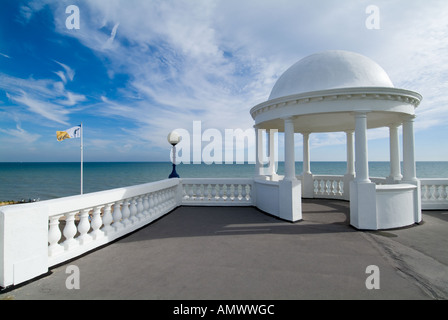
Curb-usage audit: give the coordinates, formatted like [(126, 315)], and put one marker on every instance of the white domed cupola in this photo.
[(340, 91), (330, 70)]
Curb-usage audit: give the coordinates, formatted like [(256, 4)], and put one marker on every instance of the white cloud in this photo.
[(213, 60), (21, 134)]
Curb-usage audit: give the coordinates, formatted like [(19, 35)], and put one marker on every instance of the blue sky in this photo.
[(135, 70)]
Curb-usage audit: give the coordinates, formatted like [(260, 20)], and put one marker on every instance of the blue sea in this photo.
[(51, 180)]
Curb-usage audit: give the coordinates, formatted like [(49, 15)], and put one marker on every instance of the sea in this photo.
[(49, 180)]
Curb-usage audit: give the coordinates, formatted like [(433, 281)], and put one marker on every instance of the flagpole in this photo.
[(81, 159)]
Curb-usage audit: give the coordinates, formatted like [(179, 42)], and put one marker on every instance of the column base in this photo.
[(290, 200)]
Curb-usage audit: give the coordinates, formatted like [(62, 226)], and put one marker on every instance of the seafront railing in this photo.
[(217, 192), (88, 221), (36, 236), (328, 186), (434, 194)]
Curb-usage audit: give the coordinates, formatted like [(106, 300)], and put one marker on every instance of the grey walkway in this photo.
[(241, 253)]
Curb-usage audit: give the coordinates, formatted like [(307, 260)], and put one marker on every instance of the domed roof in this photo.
[(330, 70)]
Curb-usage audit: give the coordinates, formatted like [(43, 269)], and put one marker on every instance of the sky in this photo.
[(134, 70)]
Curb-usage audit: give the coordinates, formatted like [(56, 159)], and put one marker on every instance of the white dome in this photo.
[(330, 70)]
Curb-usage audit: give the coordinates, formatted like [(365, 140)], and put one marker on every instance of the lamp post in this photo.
[(174, 138)]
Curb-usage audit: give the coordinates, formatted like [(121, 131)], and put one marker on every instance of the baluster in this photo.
[(191, 192), (133, 210), (156, 203), (322, 187), (244, 192), (232, 192), (442, 193), (160, 206), (239, 192), (151, 204), (225, 192), (425, 192), (146, 205), (166, 200), (341, 188), (185, 192), (213, 192), (107, 220), (70, 231), (126, 213), (334, 187), (208, 192), (118, 225), (140, 208), (173, 196), (202, 192), (249, 192), (220, 192), (161, 201), (84, 227), (54, 235), (96, 223), (436, 192)]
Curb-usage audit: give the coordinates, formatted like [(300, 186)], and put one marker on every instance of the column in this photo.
[(307, 176), (409, 170), (395, 170), (290, 170), (361, 154), (350, 174), (306, 153), (258, 151), (350, 153), (271, 147)]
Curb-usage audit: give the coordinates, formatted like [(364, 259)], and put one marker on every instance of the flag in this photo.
[(74, 132)]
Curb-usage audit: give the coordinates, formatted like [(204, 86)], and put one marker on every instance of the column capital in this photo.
[(288, 119), (410, 118), (394, 125), (361, 113)]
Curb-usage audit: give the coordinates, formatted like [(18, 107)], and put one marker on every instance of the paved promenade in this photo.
[(242, 253)]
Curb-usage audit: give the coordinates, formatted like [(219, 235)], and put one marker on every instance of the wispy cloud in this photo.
[(47, 98), (212, 60), (21, 134)]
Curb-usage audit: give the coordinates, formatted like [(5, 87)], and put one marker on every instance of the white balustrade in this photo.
[(220, 191), (434, 194), (82, 223), (328, 187), (101, 221)]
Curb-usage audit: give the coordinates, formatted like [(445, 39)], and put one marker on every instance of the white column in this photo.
[(350, 153), (306, 153), (258, 151), (395, 169), (361, 154), (307, 176), (271, 147), (409, 170), (350, 174), (290, 170)]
